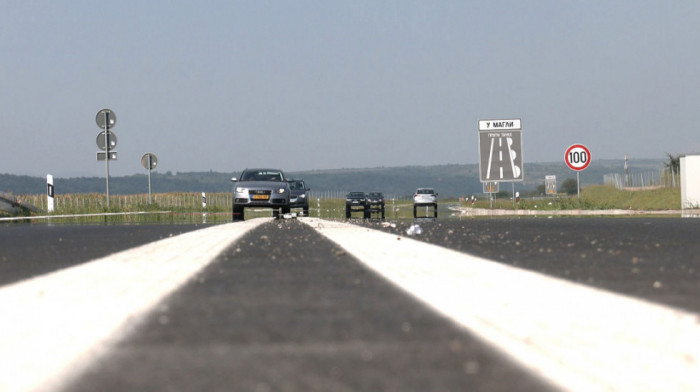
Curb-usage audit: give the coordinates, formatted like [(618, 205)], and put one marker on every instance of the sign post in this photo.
[(149, 162), (550, 185), (106, 119), (500, 150), (490, 188), (500, 153), (49, 193), (577, 157)]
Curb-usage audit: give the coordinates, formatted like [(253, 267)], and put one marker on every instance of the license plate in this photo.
[(261, 197)]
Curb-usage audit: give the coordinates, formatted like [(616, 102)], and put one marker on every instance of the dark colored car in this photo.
[(375, 201), (356, 201), (299, 197), (261, 188)]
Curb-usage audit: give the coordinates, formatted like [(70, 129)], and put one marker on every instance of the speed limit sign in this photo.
[(577, 157)]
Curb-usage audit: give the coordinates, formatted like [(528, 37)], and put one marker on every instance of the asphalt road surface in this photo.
[(312, 305), (28, 250), (657, 259)]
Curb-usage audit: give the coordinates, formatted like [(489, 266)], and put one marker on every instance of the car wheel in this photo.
[(238, 214), (276, 213), (383, 213), (435, 213), (367, 214), (415, 211), (306, 211), (285, 210), (347, 212)]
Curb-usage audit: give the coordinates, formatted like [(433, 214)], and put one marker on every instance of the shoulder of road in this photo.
[(467, 211)]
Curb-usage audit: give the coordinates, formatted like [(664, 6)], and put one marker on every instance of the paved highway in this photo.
[(657, 259), (317, 305)]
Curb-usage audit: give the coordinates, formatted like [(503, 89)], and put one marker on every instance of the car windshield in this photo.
[(296, 185), (425, 192), (375, 194), (356, 194), (262, 175)]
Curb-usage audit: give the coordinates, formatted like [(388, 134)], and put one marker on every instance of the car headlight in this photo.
[(281, 191), (302, 196), (241, 190)]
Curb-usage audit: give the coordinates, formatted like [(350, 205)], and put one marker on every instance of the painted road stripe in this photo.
[(576, 337), (55, 325)]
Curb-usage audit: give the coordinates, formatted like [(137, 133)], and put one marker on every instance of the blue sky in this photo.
[(303, 85)]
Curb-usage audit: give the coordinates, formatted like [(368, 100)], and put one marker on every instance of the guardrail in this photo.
[(10, 204)]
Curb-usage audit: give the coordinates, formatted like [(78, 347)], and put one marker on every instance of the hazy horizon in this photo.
[(639, 162)]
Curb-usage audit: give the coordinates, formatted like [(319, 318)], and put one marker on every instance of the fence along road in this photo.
[(576, 337)]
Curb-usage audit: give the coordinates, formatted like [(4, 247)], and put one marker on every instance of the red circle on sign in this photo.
[(577, 157)]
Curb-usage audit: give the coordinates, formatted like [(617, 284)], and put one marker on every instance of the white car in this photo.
[(425, 197)]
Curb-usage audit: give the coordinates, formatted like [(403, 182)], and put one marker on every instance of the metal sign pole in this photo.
[(578, 186), (107, 153), (150, 165)]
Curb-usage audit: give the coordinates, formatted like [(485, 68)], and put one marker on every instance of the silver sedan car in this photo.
[(266, 188)]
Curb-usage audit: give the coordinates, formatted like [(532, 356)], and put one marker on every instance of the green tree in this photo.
[(504, 195), (570, 186), (674, 163)]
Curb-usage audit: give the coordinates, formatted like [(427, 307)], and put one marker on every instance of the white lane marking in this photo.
[(488, 168), (576, 337), (54, 325)]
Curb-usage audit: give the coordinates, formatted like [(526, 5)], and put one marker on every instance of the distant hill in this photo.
[(448, 180)]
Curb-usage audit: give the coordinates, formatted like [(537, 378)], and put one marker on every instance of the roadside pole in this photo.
[(106, 119), (149, 161), (577, 158), (578, 186)]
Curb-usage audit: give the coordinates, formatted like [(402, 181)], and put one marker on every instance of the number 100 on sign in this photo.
[(577, 157)]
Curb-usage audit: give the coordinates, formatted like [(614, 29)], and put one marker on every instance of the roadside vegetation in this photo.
[(179, 205), (165, 206), (593, 197)]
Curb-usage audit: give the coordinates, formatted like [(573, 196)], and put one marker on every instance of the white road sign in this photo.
[(577, 157), (500, 125), (550, 185)]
